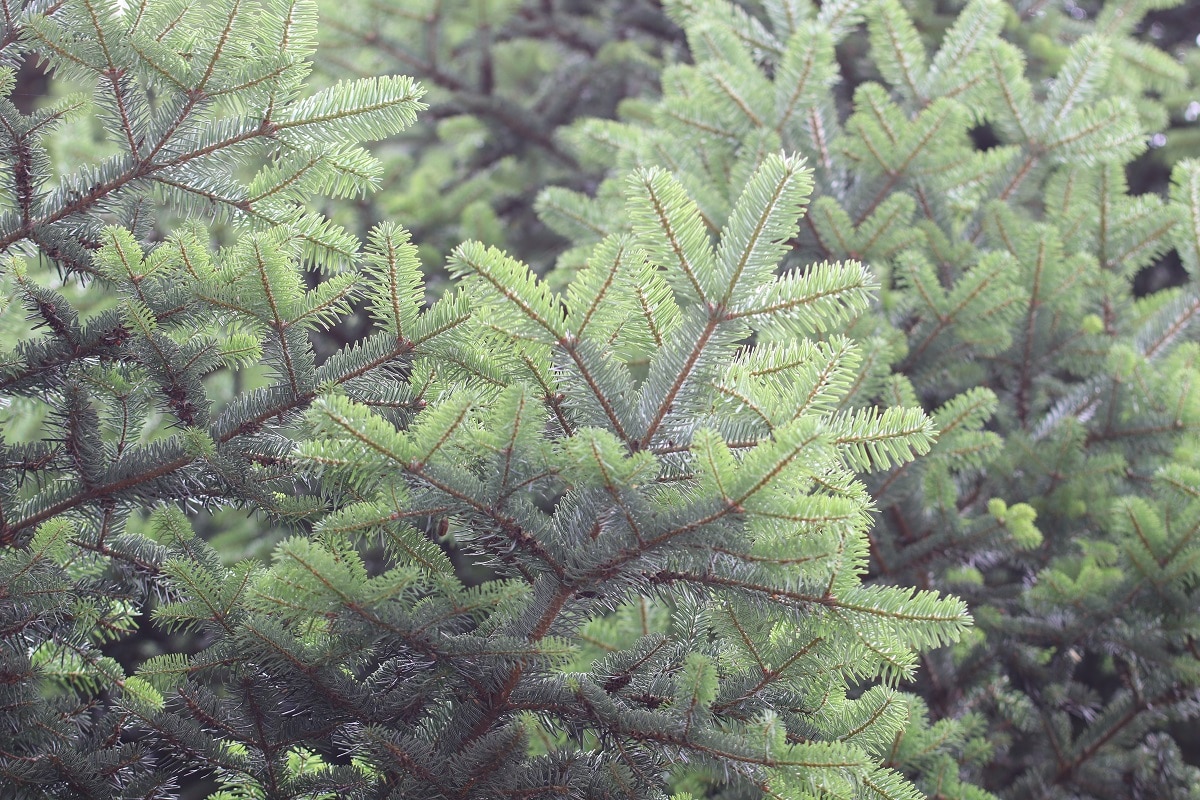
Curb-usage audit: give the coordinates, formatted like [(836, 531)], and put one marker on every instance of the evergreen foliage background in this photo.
[(836, 314)]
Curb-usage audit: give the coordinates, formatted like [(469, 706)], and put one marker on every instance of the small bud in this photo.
[(997, 508), (1092, 324)]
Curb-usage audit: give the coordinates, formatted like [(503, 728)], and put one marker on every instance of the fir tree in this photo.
[(1059, 498), (657, 462)]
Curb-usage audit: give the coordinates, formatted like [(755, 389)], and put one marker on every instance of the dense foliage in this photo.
[(835, 313), (1009, 313)]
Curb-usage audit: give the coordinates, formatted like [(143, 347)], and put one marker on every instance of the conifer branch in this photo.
[(664, 405)]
